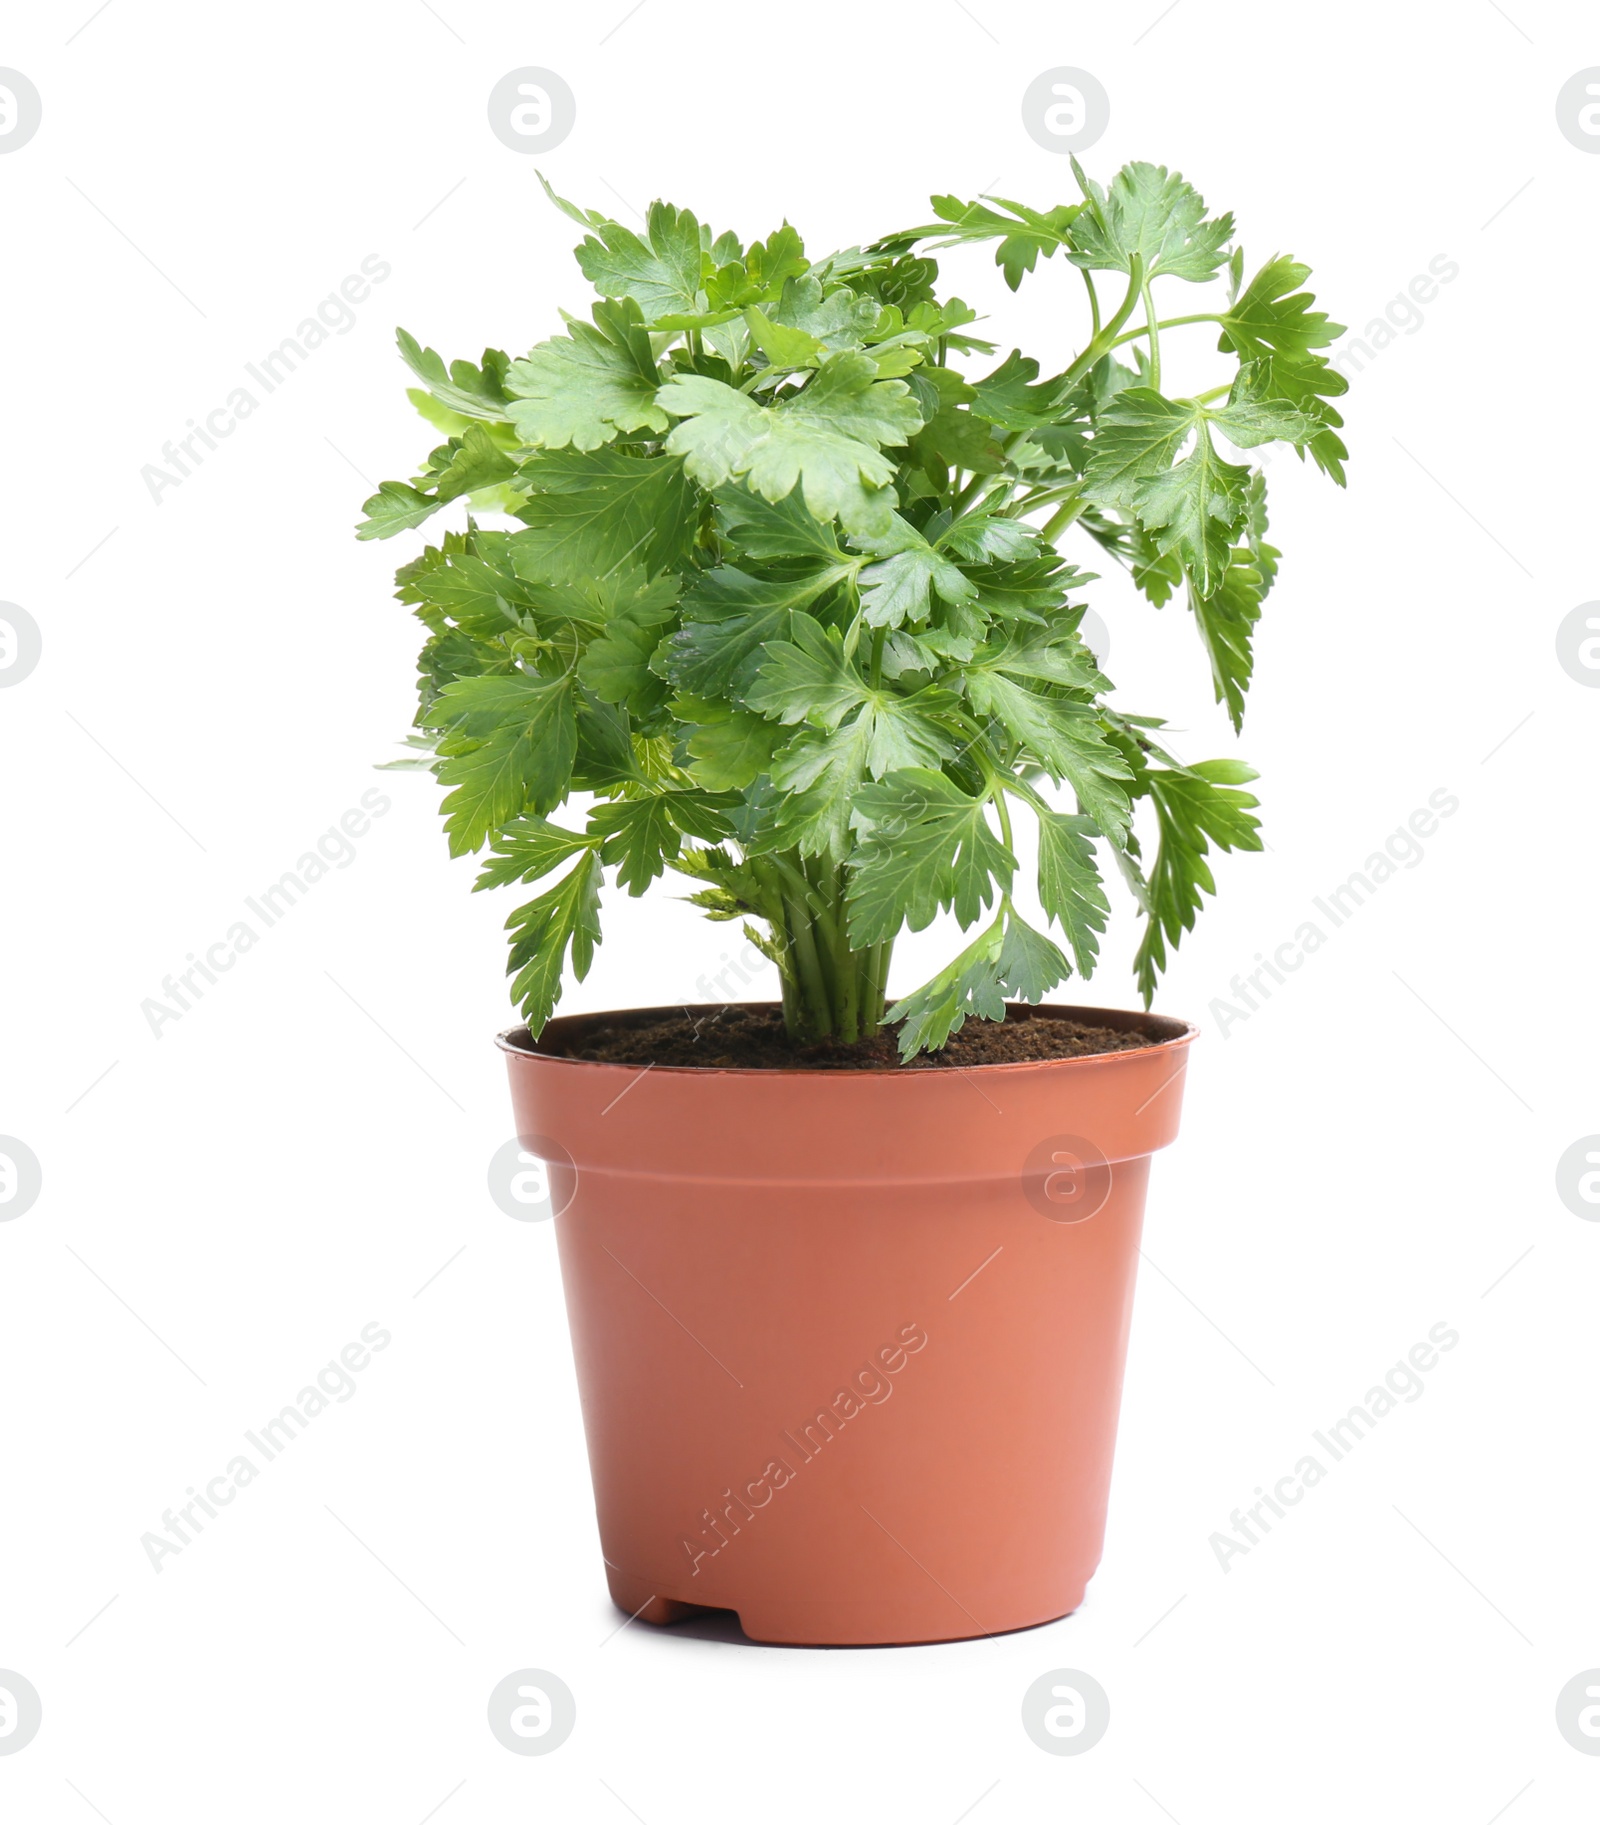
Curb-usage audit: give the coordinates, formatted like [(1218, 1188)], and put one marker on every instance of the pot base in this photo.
[(810, 1625)]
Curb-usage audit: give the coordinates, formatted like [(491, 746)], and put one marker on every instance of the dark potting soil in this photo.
[(754, 1039)]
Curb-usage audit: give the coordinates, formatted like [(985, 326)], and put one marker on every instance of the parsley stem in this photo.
[(1062, 518), (999, 802), (801, 886), (803, 947), (1104, 339), (1154, 330), (1094, 300), (875, 987), (842, 989), (1166, 323), (847, 994), (965, 504), (1039, 497), (962, 498), (770, 905), (1107, 338), (1021, 789), (805, 999)]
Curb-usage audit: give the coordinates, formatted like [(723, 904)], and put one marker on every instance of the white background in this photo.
[(1369, 1154)]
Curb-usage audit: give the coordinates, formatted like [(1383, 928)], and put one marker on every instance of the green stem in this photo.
[(1107, 338), (1040, 497), (1062, 518), (1155, 337), (875, 987), (1166, 323), (960, 501), (1094, 300), (822, 896), (798, 887), (831, 990), (848, 974), (801, 945), (999, 803), (774, 908), (784, 905), (1104, 338), (770, 903), (964, 502), (788, 983)]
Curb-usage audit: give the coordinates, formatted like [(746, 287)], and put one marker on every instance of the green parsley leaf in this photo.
[(591, 513), (1250, 422), (568, 916), (1194, 509), (508, 746), (659, 272), (990, 538), (784, 347), (468, 391), (729, 749), (819, 776), (1070, 889), (824, 439), (467, 463), (1024, 234), (643, 835), (1008, 398), (968, 986), (836, 319), (1272, 327), (396, 507), (925, 847), (1227, 618), (1029, 964), (616, 664), (1065, 737), (1195, 807), (589, 386), (897, 588), (777, 529), (527, 848), (1137, 436), (728, 617), (1153, 213), (807, 678), (456, 580)]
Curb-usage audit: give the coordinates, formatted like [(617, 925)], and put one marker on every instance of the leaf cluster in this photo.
[(774, 590)]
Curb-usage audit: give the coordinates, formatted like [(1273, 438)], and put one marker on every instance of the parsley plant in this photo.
[(784, 600)]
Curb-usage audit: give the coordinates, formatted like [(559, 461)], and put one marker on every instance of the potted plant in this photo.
[(775, 602)]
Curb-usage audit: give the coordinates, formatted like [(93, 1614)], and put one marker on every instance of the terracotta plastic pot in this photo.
[(850, 1343)]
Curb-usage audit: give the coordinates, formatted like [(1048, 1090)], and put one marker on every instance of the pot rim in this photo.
[(516, 1042)]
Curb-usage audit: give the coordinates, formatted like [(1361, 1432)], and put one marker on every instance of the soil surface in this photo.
[(753, 1039)]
